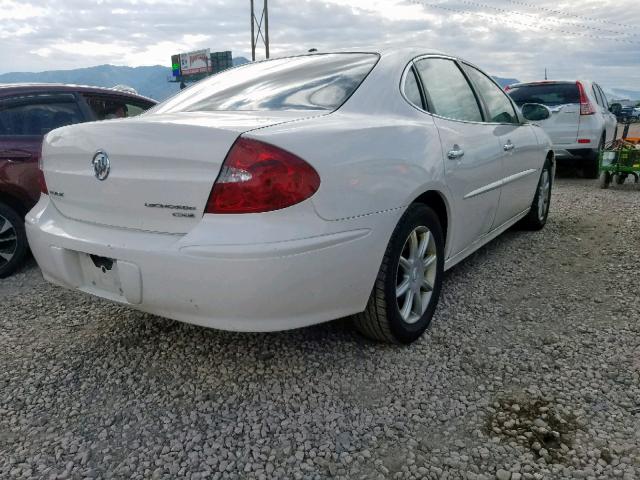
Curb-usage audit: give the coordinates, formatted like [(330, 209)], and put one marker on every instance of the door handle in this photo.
[(455, 153), (508, 146)]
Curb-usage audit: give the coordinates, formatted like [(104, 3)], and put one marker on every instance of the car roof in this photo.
[(23, 88)]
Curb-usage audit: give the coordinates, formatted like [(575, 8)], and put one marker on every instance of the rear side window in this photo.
[(311, 82), (448, 92), (498, 104), (605, 101), (38, 115), (105, 107), (597, 96), (412, 90), (551, 94)]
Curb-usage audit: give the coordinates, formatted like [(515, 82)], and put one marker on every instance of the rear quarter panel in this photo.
[(367, 164)]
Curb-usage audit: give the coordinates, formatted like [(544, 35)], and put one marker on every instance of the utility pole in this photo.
[(257, 31), (545, 73)]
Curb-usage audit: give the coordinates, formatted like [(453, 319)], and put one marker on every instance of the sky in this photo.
[(592, 39)]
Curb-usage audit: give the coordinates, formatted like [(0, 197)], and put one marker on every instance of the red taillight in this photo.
[(259, 177), (586, 107)]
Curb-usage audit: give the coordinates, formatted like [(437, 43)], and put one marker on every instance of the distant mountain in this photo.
[(503, 82), (149, 81), (622, 94)]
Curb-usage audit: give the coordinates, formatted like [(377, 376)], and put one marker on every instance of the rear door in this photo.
[(24, 120), (563, 99), (522, 156), (473, 159)]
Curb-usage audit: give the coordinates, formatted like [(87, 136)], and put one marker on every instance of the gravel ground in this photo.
[(531, 370)]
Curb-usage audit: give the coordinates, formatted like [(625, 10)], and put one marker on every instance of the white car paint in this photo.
[(308, 263)]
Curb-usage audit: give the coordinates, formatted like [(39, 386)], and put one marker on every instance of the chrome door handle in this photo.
[(455, 153), (508, 146)]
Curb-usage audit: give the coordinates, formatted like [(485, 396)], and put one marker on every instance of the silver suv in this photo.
[(580, 123)]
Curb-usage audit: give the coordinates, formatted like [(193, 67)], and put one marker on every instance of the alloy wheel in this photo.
[(416, 274), (8, 241), (544, 190)]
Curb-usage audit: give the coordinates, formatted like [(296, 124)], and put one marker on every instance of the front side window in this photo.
[(310, 82), (38, 115), (499, 107), (448, 91)]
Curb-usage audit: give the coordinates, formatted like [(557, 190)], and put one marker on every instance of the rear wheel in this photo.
[(13, 240), (591, 166), (406, 292), (537, 216)]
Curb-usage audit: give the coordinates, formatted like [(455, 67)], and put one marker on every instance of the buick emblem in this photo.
[(101, 165)]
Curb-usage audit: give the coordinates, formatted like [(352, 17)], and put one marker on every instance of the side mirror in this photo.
[(616, 109), (535, 112)]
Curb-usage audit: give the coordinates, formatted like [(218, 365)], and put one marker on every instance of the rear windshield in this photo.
[(547, 94), (312, 82)]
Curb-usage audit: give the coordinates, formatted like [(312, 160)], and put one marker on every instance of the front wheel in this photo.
[(406, 291), (539, 211), (605, 179)]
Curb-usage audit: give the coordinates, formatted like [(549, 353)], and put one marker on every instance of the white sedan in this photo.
[(293, 191)]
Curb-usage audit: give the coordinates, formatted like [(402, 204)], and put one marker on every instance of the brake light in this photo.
[(259, 177), (41, 181), (586, 107)]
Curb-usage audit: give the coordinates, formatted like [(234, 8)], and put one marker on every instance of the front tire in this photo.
[(605, 179), (13, 240), (407, 288)]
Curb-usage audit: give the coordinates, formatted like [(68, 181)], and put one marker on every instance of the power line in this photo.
[(567, 14), (551, 19), (511, 22)]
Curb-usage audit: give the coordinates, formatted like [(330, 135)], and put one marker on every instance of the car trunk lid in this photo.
[(161, 166)]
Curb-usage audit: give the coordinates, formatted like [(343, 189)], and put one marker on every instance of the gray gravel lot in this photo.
[(531, 370)]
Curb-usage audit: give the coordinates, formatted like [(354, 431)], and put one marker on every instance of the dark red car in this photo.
[(27, 113)]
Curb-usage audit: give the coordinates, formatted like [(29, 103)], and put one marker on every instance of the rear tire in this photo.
[(13, 240), (407, 288), (536, 219), (591, 168)]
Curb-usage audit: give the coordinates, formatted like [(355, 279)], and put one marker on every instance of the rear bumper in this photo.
[(210, 278), (573, 153)]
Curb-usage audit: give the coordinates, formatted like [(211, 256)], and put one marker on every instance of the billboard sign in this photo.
[(195, 62), (175, 65)]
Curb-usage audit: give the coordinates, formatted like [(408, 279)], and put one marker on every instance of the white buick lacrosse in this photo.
[(289, 192)]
